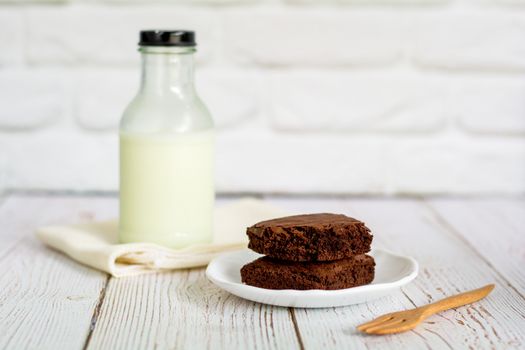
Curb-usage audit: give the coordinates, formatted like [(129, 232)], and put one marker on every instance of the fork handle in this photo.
[(458, 300)]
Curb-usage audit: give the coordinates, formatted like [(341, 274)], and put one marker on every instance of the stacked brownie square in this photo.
[(315, 251)]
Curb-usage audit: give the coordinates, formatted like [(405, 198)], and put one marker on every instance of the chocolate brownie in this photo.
[(313, 237), (270, 273)]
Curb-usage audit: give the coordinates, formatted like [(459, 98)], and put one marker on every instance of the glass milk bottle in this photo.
[(166, 149)]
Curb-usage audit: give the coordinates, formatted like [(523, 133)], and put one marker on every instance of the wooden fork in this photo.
[(402, 321)]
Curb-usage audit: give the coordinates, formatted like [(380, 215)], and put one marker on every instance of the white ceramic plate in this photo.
[(392, 272)]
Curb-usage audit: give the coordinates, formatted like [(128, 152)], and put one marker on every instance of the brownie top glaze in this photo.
[(311, 220)]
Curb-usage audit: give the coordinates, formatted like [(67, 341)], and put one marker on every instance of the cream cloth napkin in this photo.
[(96, 244)]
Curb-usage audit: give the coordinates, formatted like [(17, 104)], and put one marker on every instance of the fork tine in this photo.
[(375, 321), (383, 325)]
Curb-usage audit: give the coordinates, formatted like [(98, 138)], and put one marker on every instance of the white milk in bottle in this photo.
[(166, 149)]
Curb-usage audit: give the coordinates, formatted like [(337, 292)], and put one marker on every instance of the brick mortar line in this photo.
[(269, 195)]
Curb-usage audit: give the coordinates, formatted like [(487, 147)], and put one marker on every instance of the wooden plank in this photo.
[(493, 227), (448, 266), (46, 299), (182, 310)]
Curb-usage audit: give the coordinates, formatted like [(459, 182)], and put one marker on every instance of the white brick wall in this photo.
[(502, 110), (472, 41), (81, 34), (303, 37), (351, 102), (309, 96), (12, 32), (31, 98)]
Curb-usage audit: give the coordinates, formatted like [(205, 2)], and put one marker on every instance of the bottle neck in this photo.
[(167, 70)]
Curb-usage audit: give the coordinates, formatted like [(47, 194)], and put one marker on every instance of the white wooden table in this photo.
[(48, 301)]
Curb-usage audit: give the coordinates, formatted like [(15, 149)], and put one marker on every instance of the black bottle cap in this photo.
[(167, 38)]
